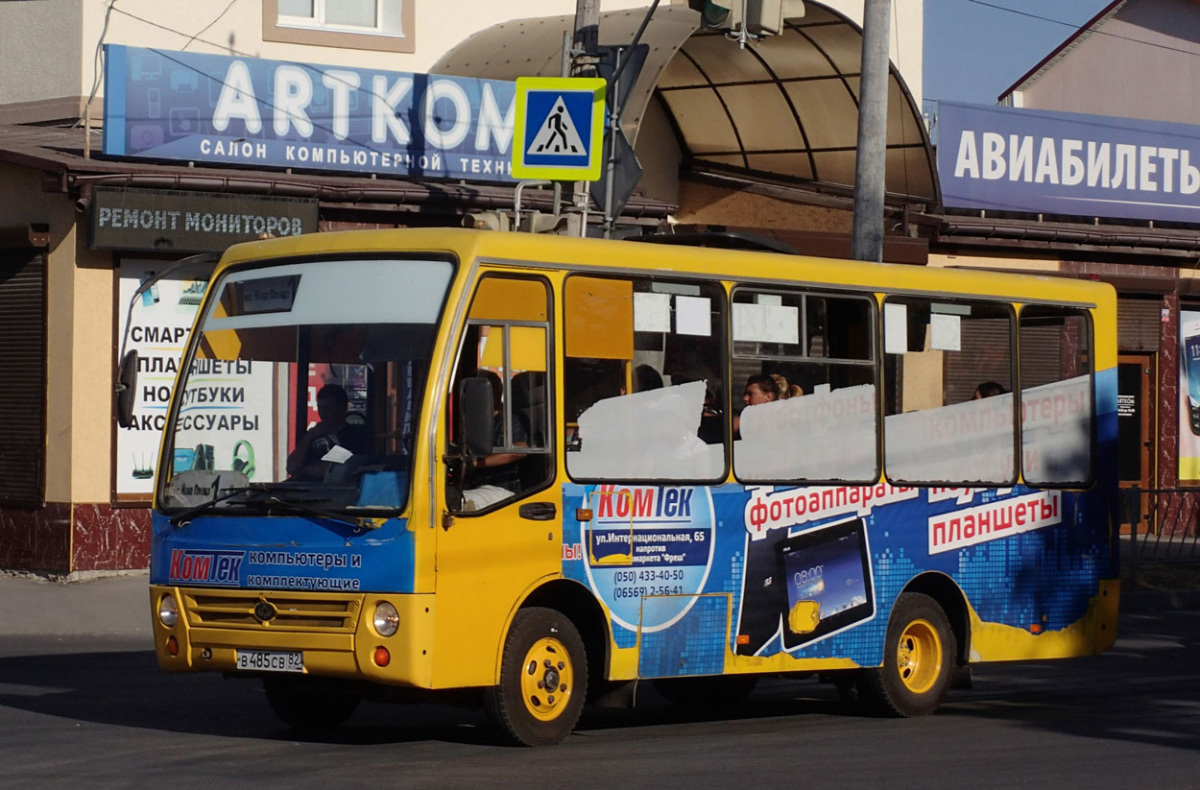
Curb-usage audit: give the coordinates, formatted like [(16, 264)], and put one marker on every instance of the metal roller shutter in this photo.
[(22, 376), (1139, 322), (1041, 355), (986, 356)]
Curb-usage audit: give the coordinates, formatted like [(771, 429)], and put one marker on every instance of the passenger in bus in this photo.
[(712, 415), (496, 477), (764, 388), (988, 389), (529, 405), (646, 378), (306, 462), (767, 387)]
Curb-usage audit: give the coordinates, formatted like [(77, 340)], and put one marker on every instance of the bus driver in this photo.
[(305, 463)]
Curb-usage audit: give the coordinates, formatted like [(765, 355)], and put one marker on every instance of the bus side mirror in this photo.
[(127, 388), (476, 413)]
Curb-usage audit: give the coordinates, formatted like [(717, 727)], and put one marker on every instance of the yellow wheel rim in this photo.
[(547, 679), (919, 656)]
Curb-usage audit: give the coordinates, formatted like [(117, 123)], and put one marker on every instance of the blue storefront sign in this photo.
[(1066, 163), (274, 114)]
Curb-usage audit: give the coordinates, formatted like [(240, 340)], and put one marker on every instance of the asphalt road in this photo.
[(95, 711)]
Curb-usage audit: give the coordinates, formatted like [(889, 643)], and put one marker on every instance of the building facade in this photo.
[(81, 227), (1122, 208)]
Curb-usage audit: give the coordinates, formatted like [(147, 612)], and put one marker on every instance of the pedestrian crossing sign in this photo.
[(559, 128)]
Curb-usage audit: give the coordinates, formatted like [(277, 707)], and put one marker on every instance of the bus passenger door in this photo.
[(502, 529)]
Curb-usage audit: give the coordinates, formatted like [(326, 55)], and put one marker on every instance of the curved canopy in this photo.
[(784, 109)]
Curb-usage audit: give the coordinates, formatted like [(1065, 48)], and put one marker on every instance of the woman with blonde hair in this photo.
[(766, 387), (793, 390)]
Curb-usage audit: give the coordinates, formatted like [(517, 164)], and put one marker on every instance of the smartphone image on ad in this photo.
[(1191, 362), (826, 574), (762, 597)]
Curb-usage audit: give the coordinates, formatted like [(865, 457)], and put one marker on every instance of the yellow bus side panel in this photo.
[(1093, 633)]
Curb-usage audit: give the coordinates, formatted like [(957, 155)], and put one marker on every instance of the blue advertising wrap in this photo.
[(250, 553), (227, 110), (1022, 160), (693, 574)]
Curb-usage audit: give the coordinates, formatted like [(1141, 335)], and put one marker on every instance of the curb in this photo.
[(58, 577)]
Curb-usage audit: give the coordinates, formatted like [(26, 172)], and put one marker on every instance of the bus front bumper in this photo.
[(321, 634)]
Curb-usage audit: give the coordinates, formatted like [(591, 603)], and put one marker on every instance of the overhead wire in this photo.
[(216, 19), (191, 37), (1077, 28), (98, 65), (1072, 26)]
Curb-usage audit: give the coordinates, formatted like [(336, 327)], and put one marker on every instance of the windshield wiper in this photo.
[(181, 518), (310, 510), (269, 498)]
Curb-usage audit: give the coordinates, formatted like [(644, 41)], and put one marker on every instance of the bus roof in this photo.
[(542, 250)]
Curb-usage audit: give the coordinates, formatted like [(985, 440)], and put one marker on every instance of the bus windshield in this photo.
[(301, 392)]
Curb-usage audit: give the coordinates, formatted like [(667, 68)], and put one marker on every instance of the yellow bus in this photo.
[(534, 470)]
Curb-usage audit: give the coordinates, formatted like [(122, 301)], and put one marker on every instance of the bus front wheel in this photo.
[(918, 657), (543, 679)]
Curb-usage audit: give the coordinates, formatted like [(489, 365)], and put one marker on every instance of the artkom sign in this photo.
[(226, 110), (1066, 163)]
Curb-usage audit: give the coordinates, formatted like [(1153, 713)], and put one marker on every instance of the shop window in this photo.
[(507, 343), (949, 403), (804, 369), (644, 379), (1056, 396), (383, 25)]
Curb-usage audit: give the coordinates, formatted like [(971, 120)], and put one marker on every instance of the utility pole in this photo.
[(870, 166), (583, 60), (586, 39)]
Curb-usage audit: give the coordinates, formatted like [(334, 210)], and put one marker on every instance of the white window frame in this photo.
[(394, 31), (385, 12)]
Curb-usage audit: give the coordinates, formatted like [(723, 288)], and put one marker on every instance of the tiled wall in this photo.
[(1177, 512), (61, 538), (1168, 395)]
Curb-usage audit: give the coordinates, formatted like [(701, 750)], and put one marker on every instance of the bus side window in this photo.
[(805, 396), (643, 379), (506, 342), (941, 424), (1056, 396)]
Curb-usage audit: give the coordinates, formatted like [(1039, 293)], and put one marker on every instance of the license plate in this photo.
[(270, 661)]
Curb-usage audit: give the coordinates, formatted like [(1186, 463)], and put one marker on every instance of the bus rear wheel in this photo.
[(543, 679), (308, 705), (918, 657)]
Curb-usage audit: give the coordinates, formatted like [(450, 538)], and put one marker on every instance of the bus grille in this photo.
[(235, 609)]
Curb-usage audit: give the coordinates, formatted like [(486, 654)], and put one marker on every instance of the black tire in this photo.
[(543, 679), (308, 705), (717, 691), (918, 657)]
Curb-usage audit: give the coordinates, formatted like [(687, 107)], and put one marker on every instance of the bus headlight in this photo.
[(168, 611), (386, 620)]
